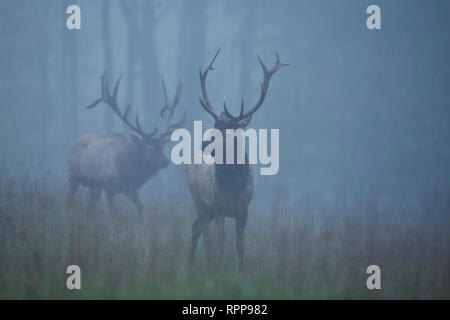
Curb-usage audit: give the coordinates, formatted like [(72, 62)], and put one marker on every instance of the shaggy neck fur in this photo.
[(232, 178), (140, 171)]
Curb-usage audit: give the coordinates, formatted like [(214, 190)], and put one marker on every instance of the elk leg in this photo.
[(73, 187), (198, 227), (94, 196), (207, 244), (134, 197), (241, 221), (220, 223), (111, 202)]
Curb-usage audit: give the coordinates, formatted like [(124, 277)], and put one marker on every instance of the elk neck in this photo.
[(232, 178), (135, 170)]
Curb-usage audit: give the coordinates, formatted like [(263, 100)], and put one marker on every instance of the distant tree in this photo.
[(246, 42), (43, 51), (193, 24), (107, 49), (69, 76), (141, 18)]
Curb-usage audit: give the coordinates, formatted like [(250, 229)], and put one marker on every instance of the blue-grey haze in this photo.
[(357, 110)]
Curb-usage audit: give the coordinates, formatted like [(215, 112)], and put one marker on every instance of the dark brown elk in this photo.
[(117, 163), (224, 190)]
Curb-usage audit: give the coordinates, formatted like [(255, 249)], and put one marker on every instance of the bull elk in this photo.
[(224, 190), (117, 163)]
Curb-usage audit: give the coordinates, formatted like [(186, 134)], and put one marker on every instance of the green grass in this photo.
[(307, 251)]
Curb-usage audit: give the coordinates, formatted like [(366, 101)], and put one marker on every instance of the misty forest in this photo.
[(364, 149)]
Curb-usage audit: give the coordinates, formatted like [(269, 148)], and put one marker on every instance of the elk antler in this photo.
[(264, 87), (268, 73), (170, 108), (204, 101), (111, 101)]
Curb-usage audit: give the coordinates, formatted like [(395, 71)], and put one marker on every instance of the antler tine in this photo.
[(265, 83), (138, 123), (116, 87), (146, 135), (171, 109), (242, 107), (127, 110), (176, 99), (204, 101), (166, 99), (103, 93), (227, 112), (210, 66), (177, 94), (104, 84), (274, 69), (263, 66), (229, 115), (111, 101), (268, 73), (174, 126), (278, 57)]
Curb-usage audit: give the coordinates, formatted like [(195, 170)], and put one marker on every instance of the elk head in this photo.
[(226, 120), (150, 146)]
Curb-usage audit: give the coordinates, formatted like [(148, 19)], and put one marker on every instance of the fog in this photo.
[(358, 110)]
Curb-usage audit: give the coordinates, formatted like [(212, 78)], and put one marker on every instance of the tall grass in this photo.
[(308, 250)]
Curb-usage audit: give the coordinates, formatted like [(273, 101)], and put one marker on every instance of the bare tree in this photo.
[(192, 46), (141, 19), (69, 78), (246, 42), (107, 51)]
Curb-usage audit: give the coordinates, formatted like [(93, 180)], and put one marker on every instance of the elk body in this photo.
[(224, 190), (117, 163)]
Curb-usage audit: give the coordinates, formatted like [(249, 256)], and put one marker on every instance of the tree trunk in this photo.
[(247, 49), (69, 83), (150, 74), (109, 66), (192, 51)]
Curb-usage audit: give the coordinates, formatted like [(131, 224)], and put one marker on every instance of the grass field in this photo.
[(304, 251)]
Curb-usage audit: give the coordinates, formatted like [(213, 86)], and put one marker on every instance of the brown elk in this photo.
[(224, 190), (117, 163)]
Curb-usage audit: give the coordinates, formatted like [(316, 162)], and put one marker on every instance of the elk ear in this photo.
[(244, 123), (135, 139), (224, 117)]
